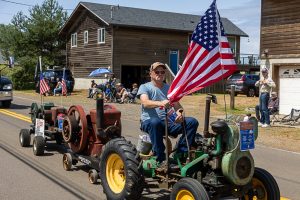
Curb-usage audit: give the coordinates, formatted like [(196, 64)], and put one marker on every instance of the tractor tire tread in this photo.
[(124, 149)]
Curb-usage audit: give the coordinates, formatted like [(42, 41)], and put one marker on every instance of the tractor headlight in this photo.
[(7, 87)]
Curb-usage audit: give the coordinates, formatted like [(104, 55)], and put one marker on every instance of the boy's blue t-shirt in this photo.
[(155, 94)]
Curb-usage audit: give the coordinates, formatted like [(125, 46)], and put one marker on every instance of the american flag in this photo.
[(208, 60), (44, 87), (63, 84)]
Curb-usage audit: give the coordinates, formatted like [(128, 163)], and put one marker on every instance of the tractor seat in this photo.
[(219, 127)]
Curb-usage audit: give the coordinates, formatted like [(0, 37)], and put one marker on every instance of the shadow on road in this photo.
[(17, 106)]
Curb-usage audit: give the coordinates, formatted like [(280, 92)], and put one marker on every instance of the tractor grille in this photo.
[(243, 167)]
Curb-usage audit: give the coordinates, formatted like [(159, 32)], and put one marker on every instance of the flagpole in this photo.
[(220, 43), (41, 71)]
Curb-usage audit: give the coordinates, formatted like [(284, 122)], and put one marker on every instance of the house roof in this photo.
[(144, 18)]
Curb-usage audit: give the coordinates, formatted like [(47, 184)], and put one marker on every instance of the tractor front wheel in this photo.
[(67, 161), (119, 172), (264, 186), (188, 189), (93, 176)]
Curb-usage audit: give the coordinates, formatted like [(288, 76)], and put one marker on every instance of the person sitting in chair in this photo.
[(58, 87), (273, 106), (132, 94), (92, 89), (121, 92), (153, 96)]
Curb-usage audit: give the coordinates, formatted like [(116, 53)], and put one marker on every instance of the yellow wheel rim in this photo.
[(259, 187), (115, 173), (184, 195)]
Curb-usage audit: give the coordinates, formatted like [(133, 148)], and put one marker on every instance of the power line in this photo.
[(23, 4)]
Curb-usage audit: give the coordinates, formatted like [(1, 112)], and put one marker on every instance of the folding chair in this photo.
[(274, 117), (291, 118)]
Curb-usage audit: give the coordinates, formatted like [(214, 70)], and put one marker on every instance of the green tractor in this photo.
[(220, 166)]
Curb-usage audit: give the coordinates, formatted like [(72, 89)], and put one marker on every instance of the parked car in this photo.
[(51, 76), (244, 84), (6, 94)]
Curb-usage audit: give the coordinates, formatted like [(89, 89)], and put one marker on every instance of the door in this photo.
[(289, 91)]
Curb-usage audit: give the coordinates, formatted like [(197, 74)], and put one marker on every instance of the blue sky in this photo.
[(245, 14)]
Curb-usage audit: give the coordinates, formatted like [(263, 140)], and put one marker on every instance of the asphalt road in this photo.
[(24, 176)]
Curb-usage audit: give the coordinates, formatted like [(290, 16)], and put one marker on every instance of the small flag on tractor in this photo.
[(64, 84)]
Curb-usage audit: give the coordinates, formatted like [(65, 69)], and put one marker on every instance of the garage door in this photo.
[(289, 91)]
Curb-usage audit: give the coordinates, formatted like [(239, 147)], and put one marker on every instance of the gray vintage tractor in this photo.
[(220, 165)]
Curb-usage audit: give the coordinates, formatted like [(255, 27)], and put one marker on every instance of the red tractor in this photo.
[(87, 133)]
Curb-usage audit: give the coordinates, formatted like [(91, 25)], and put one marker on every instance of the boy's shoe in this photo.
[(265, 126), (260, 124)]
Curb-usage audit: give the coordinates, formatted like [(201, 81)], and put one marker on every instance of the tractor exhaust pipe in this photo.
[(209, 98), (100, 117), (207, 114)]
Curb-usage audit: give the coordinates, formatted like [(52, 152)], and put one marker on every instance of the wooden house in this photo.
[(280, 49), (129, 40)]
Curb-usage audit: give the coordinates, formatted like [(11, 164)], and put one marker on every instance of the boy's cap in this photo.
[(264, 70), (157, 64)]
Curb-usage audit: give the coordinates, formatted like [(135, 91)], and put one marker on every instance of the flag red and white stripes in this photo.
[(44, 87), (208, 60), (64, 84)]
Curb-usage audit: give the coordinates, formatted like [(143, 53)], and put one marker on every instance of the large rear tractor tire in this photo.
[(264, 186), (24, 138), (119, 172), (189, 188)]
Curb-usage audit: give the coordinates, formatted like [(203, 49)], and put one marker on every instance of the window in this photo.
[(86, 37), (74, 40), (232, 43), (101, 35)]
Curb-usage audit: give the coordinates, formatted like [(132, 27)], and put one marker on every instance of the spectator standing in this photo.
[(265, 85), (273, 105)]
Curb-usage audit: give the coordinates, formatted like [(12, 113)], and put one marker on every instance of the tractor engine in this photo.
[(87, 133), (225, 157)]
